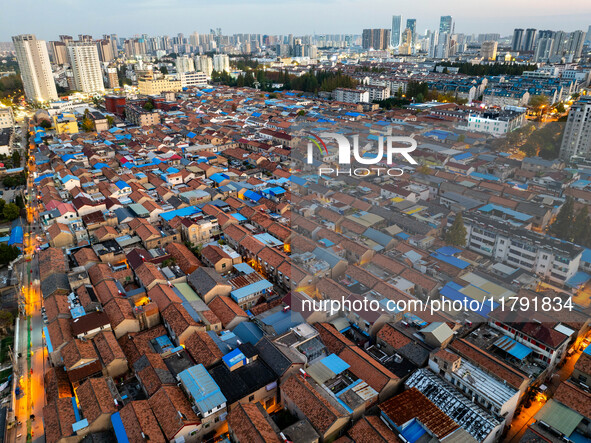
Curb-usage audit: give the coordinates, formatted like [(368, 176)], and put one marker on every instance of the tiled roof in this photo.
[(413, 404), (95, 398), (108, 348), (203, 349), (169, 405), (250, 422), (321, 414), (226, 309), (371, 429), (138, 417)]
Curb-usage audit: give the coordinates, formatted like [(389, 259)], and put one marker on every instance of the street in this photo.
[(30, 347)]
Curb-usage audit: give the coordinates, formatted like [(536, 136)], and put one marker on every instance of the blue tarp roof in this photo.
[(335, 364), (413, 431), (512, 347), (244, 268), (297, 180), (16, 236), (586, 257)]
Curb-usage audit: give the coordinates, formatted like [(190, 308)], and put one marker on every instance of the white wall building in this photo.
[(495, 123), (86, 67), (550, 258), (6, 118), (221, 62), (204, 64), (184, 63), (192, 79), (33, 61), (351, 95)]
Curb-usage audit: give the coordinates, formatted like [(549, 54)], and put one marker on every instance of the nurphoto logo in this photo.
[(387, 147)]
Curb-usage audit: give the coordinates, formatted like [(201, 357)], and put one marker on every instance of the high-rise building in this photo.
[(33, 61), (184, 63), (112, 77), (588, 39), (58, 53), (377, 39), (105, 50), (411, 24), (488, 50), (395, 32), (517, 42), (544, 48), (406, 46), (221, 62), (574, 45), (86, 67), (576, 141), (203, 63), (446, 24), (529, 40)]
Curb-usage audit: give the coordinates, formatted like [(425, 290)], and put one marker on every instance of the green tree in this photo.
[(11, 211), (456, 234), (563, 224), (164, 70), (8, 253), (16, 159), (110, 120), (149, 106), (581, 227), (2, 204), (560, 108)]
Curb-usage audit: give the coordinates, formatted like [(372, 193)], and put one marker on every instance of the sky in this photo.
[(299, 17)]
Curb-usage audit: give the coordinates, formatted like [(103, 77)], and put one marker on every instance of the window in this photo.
[(251, 398)]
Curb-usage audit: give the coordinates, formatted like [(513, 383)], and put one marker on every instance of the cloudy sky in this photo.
[(158, 17)]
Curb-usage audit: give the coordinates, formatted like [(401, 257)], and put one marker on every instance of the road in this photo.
[(30, 347)]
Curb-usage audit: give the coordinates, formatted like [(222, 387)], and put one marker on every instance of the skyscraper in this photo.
[(395, 32), (446, 24), (576, 141), (530, 40), (86, 67), (544, 48), (517, 42), (377, 39), (411, 24), (574, 45), (33, 61)]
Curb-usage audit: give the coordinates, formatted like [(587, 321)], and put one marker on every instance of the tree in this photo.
[(11, 211), (87, 124), (18, 200), (539, 102), (563, 225), (164, 70), (2, 204), (148, 106), (8, 253), (581, 227), (46, 124), (456, 234), (16, 159), (560, 108), (110, 120)]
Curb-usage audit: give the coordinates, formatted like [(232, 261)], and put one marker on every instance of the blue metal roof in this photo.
[(458, 263), (119, 428), (512, 347), (234, 357), (244, 268), (252, 195), (260, 286), (182, 212), (335, 364), (451, 292), (448, 250), (282, 321), (248, 332), (202, 388), (580, 278)]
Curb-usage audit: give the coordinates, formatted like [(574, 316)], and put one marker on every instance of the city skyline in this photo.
[(308, 18)]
